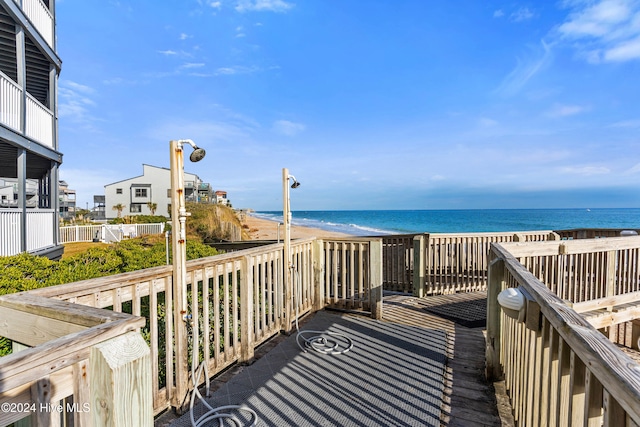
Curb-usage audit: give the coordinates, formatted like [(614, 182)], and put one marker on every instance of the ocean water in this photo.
[(379, 222)]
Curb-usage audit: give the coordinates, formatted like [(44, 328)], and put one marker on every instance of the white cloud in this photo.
[(525, 69), (215, 4), (184, 36), (192, 65), (498, 13), (605, 30), (168, 52), (559, 110), (626, 124), (633, 170), (78, 87), (585, 170), (236, 69), (285, 127), (75, 105), (263, 6), (522, 14), (487, 122)]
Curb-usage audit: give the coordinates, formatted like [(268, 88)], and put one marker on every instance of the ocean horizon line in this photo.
[(407, 221)]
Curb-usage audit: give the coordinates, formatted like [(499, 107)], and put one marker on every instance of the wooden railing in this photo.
[(450, 263), (591, 233), (80, 364), (398, 262), (236, 301), (558, 368)]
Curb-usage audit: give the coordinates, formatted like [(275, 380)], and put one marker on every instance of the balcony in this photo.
[(40, 230), (39, 121), (41, 18)]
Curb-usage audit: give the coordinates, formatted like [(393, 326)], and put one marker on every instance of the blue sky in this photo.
[(371, 104)]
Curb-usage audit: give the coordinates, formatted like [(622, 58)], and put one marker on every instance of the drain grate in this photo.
[(471, 314)]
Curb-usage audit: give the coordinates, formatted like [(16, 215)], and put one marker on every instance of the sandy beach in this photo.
[(263, 229)]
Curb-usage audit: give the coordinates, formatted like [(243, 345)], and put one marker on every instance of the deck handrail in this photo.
[(75, 351), (241, 302), (557, 367)]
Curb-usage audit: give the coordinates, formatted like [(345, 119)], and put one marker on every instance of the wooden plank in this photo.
[(576, 391), (120, 382), (375, 275), (31, 364), (246, 313), (58, 310), (593, 401), (606, 302), (32, 330)]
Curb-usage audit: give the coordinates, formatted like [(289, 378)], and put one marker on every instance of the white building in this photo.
[(29, 151), (153, 186)]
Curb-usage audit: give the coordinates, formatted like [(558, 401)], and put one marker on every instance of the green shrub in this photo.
[(25, 272)]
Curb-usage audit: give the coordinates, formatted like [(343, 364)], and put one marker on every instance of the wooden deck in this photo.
[(468, 400)]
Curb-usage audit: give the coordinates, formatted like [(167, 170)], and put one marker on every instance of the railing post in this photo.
[(611, 286), (120, 378), (375, 274), (419, 268), (77, 234), (318, 274), (494, 287), (246, 310)]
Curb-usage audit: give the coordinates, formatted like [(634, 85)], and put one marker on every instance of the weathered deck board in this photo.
[(468, 398)]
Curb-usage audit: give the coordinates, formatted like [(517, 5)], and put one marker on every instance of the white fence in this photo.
[(107, 232)]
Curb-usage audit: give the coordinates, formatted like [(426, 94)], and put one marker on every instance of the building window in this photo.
[(169, 193), (141, 192), (135, 208), (118, 190)]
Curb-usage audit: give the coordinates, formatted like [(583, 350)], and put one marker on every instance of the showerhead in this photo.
[(197, 155), (295, 183)]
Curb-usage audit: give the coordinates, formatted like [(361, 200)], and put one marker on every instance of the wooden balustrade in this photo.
[(236, 301), (449, 263), (87, 366), (558, 369)]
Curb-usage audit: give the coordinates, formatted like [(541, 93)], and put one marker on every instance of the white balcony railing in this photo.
[(40, 17), (40, 233), (40, 230), (10, 231), (10, 101), (39, 122)]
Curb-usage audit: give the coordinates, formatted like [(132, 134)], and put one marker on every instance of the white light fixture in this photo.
[(513, 303)]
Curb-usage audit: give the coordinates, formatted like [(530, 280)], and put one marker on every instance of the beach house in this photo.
[(152, 188), (29, 146)]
